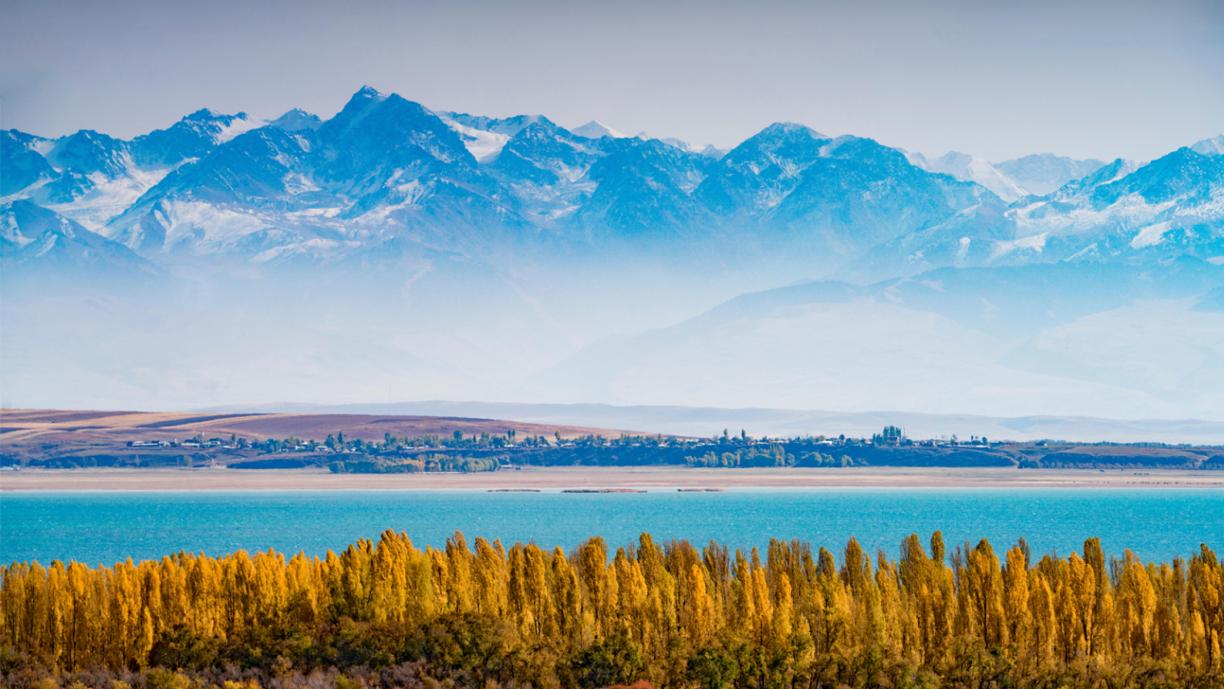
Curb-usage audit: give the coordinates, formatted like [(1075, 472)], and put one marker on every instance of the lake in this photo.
[(104, 527)]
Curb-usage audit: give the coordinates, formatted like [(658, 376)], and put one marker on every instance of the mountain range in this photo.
[(393, 251), (388, 176)]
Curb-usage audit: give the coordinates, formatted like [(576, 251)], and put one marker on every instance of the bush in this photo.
[(159, 678), (614, 661), (713, 668)]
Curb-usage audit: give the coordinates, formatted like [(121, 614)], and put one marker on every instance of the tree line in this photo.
[(390, 614)]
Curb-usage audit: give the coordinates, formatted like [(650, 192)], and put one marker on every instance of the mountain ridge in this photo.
[(386, 170)]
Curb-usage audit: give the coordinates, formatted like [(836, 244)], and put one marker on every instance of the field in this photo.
[(32, 433)]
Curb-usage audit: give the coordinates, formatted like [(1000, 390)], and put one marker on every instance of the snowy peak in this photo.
[(366, 93), (21, 164), (790, 129), (1212, 146), (785, 145), (296, 120), (508, 126), (190, 137), (88, 152), (757, 175), (598, 130), (219, 126), (383, 133)]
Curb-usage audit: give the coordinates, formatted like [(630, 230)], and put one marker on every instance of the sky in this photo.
[(995, 79)]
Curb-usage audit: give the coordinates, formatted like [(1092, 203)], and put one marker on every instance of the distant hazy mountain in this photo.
[(970, 169), (1011, 180), (1058, 337), (1045, 173), (1212, 146)]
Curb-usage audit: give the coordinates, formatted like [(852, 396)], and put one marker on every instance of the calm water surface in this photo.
[(104, 527)]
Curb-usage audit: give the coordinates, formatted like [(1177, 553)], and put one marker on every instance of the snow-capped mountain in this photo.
[(1172, 206), (22, 163), (31, 234), (387, 177), (643, 186), (598, 130), (297, 120), (971, 169), (1169, 208), (545, 169), (757, 175), (92, 177)]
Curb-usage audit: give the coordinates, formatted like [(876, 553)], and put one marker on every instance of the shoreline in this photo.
[(612, 479)]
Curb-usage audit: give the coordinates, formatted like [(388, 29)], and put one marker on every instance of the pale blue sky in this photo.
[(996, 79)]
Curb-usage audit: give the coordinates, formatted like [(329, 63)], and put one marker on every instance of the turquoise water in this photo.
[(101, 528)]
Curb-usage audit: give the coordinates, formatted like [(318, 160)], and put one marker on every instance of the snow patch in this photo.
[(239, 124), (313, 246), (1131, 209), (1150, 235), (1034, 243), (962, 248), (317, 212), (200, 225), (481, 143), (298, 183), (110, 197), (409, 192)]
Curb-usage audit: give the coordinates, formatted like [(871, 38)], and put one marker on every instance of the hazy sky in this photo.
[(997, 79)]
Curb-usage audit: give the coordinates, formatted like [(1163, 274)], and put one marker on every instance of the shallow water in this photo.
[(104, 527)]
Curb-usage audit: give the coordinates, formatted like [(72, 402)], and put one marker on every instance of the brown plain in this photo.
[(59, 426)]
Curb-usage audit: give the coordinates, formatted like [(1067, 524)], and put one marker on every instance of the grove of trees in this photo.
[(390, 614)]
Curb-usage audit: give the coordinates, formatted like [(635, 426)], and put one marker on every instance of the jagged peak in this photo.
[(366, 96), (786, 128), (597, 130), (89, 135), (209, 115), (296, 120), (1210, 146)]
